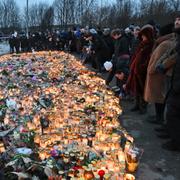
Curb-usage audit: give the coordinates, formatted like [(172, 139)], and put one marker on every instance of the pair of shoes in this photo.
[(163, 135), (161, 129), (135, 108), (171, 146), (142, 111), (154, 121), (150, 117)]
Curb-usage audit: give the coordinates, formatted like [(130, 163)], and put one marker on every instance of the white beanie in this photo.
[(108, 65), (127, 30), (93, 31), (15, 34)]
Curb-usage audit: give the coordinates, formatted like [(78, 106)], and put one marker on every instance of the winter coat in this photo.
[(136, 80), (109, 41), (100, 47), (134, 44), (155, 87), (117, 66), (121, 46), (138, 69), (173, 101)]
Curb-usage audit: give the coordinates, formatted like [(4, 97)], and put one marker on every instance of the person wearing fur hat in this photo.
[(173, 99), (156, 81), (138, 70)]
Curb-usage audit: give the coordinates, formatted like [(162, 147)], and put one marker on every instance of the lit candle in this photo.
[(2, 148), (129, 177), (42, 156)]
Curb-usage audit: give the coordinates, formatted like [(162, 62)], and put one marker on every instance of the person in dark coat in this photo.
[(135, 40), (173, 100), (24, 43), (121, 45), (11, 43), (16, 42), (121, 76), (109, 41), (138, 70), (113, 67), (99, 49), (120, 59)]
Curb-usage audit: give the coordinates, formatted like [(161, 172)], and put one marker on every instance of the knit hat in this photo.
[(177, 14), (15, 34), (137, 28), (93, 31), (106, 31), (148, 31), (108, 65), (127, 30)]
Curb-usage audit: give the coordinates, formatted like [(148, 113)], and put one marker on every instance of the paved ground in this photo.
[(156, 163)]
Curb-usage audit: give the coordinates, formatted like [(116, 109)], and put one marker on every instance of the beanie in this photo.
[(108, 65)]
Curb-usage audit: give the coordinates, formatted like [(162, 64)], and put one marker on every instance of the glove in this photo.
[(160, 69)]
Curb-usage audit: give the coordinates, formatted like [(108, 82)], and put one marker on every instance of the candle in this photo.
[(129, 177), (88, 174), (2, 148), (42, 156), (37, 139)]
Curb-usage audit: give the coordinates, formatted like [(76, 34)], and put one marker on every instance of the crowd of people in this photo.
[(145, 62)]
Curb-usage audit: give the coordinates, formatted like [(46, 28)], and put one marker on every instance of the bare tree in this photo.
[(36, 14), (48, 19), (90, 12), (1, 14), (174, 5), (10, 14), (70, 11)]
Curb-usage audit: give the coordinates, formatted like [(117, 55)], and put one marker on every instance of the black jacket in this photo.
[(176, 73), (121, 46), (117, 66), (173, 102)]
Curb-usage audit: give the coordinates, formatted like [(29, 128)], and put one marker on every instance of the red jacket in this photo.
[(138, 69)]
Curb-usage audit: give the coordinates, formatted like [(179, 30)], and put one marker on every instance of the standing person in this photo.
[(98, 49), (173, 100), (138, 70), (16, 42), (155, 88), (135, 40), (24, 43), (121, 45), (109, 41), (11, 43)]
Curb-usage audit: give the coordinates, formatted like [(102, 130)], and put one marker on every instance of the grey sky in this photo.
[(22, 3)]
